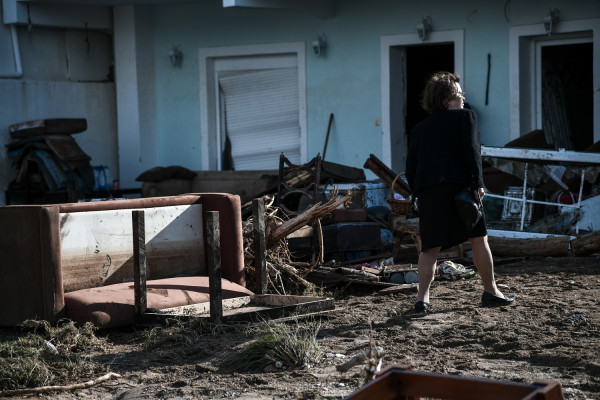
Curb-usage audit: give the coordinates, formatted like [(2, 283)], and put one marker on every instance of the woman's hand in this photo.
[(479, 193)]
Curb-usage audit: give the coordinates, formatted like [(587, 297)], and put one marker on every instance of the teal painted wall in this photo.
[(347, 81)]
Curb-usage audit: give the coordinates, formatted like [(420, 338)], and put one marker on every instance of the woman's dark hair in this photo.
[(439, 90)]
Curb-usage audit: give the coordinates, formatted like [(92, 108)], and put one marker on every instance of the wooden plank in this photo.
[(387, 175), (213, 241), (139, 261), (204, 308), (399, 288), (260, 245), (38, 127), (256, 308)]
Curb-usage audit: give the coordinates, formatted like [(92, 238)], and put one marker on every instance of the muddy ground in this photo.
[(552, 332)]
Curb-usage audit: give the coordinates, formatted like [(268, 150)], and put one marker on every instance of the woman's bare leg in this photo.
[(426, 270), (482, 257)]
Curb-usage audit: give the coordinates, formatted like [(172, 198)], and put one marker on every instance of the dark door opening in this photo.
[(410, 66), (421, 62), (567, 95)]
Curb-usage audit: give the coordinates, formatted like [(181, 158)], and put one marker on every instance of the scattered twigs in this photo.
[(64, 388), (295, 274)]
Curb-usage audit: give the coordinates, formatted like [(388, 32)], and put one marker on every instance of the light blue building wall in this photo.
[(347, 81)]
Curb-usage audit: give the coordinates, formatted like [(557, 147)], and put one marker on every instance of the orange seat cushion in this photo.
[(114, 305)]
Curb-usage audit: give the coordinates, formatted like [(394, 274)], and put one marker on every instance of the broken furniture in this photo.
[(75, 260), (52, 168), (299, 181), (400, 382)]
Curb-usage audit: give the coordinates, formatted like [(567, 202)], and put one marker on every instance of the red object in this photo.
[(567, 198)]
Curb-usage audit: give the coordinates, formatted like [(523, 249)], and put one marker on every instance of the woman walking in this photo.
[(444, 157)]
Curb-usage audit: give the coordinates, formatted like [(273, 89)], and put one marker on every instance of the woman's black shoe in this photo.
[(422, 306), (490, 299)]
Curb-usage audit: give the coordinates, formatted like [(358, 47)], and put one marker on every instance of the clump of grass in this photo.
[(294, 346), (177, 334), (41, 354)]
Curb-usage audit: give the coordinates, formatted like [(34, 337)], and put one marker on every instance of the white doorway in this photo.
[(564, 101), (573, 45), (253, 106)]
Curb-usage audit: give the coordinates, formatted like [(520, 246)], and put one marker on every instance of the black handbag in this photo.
[(469, 209)]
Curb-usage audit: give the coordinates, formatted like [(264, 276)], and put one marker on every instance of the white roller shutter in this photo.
[(261, 116)]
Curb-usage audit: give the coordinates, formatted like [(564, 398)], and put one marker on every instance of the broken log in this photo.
[(305, 218), (387, 175), (557, 246), (586, 245)]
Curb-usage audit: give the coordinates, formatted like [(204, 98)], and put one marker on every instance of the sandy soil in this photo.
[(552, 332)]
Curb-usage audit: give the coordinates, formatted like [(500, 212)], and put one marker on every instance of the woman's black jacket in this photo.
[(445, 148)]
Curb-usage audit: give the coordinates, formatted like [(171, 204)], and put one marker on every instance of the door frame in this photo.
[(536, 72), (521, 64), (411, 39), (259, 56)]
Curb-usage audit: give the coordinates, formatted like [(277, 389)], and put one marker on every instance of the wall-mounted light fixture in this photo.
[(424, 28), (551, 20), (319, 45), (175, 56)]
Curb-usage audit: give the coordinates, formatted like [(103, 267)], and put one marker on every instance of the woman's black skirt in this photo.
[(439, 222)]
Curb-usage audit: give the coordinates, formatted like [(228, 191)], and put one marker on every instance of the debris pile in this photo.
[(342, 244), (51, 166)]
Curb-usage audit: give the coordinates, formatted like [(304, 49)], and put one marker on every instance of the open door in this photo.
[(410, 66)]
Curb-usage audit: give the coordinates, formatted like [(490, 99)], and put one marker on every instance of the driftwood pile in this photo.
[(284, 275)]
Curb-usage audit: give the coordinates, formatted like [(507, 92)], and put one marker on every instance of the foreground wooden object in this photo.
[(398, 382)]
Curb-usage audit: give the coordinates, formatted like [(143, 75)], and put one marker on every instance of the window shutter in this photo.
[(261, 116)]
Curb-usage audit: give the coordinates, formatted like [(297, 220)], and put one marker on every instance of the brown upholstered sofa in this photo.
[(75, 260)]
